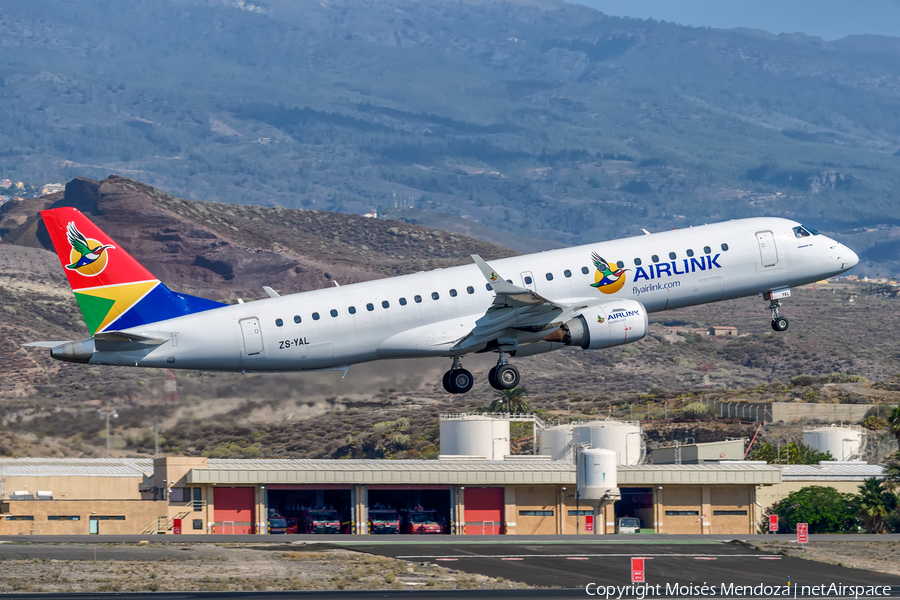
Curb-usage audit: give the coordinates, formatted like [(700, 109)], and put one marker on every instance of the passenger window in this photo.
[(402, 301), (672, 256), (370, 307), (488, 287), (435, 296), (453, 293), (690, 253), (585, 270), (706, 249), (567, 273), (333, 312), (549, 276), (279, 322), (725, 247), (315, 316), (654, 258), (297, 318), (385, 304), (637, 262), (418, 299), (470, 290), (620, 264), (528, 280), (351, 310)]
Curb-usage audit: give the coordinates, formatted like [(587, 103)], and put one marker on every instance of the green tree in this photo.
[(792, 454), (894, 423), (511, 401), (824, 508), (873, 504), (892, 473)]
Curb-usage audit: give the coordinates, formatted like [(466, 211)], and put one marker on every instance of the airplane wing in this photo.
[(514, 308)]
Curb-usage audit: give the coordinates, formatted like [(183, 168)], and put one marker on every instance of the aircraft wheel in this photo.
[(492, 379), (507, 376), (780, 324), (461, 381), (446, 382)]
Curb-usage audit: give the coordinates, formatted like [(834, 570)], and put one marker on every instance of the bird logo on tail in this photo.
[(87, 257), (609, 277)]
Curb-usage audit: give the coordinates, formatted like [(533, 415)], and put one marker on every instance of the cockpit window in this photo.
[(802, 232)]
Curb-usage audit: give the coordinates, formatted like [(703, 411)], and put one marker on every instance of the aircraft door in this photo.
[(528, 281), (253, 342), (767, 251)]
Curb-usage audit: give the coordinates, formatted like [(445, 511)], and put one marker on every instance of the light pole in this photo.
[(107, 413)]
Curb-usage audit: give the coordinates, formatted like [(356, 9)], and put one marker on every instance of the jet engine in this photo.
[(604, 325)]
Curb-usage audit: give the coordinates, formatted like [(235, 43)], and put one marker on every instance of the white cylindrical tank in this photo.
[(844, 442), (555, 442), (596, 476), (623, 438), (475, 435)]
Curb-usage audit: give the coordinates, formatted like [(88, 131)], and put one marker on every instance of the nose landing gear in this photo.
[(504, 376), (457, 380)]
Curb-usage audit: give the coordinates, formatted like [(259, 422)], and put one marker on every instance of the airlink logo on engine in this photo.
[(670, 269), (624, 314)]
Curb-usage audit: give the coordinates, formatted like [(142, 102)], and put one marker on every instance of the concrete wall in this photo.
[(769, 495), (703, 509), (773, 412), (77, 487), (138, 514)]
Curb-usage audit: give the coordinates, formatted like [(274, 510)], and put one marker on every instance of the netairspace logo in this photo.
[(641, 591)]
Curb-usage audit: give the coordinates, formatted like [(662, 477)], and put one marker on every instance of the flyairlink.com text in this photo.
[(678, 590)]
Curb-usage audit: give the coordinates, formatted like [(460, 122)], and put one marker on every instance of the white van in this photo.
[(628, 525)]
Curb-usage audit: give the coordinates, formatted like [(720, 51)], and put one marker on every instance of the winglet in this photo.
[(499, 285), (272, 293)]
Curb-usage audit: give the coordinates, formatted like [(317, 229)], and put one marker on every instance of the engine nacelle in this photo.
[(604, 325)]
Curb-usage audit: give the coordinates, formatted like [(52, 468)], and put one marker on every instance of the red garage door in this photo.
[(234, 509), (483, 511)]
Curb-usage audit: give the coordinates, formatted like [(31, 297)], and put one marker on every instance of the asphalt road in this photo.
[(331, 595), (576, 565)]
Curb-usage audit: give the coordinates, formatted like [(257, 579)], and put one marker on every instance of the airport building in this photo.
[(476, 488)]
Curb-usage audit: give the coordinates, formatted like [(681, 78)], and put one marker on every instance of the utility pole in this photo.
[(156, 435), (107, 413)]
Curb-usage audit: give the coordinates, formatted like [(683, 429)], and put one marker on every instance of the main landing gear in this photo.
[(779, 323), (502, 377), (457, 380)]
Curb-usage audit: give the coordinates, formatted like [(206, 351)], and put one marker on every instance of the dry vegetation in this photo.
[(879, 556), (221, 569)]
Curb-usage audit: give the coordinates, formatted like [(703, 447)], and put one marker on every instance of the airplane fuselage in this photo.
[(427, 313)]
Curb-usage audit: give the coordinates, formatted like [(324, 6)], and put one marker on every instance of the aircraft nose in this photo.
[(848, 257)]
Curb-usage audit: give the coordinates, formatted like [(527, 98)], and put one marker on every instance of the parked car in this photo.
[(628, 525)]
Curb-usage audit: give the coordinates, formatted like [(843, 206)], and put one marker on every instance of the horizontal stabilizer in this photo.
[(45, 344)]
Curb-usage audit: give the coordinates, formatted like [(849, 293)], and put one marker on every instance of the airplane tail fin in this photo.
[(113, 290)]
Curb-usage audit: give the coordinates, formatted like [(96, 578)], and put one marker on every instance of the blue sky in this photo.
[(828, 19)]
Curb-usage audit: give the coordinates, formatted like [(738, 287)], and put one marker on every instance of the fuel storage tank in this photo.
[(556, 442), (622, 437), (845, 442), (474, 435)]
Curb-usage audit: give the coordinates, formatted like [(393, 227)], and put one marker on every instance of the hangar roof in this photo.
[(694, 474), (75, 467), (836, 472), (465, 472)]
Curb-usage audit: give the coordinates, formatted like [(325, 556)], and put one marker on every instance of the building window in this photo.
[(385, 304), (585, 270), (654, 258), (727, 513), (19, 518), (637, 262), (549, 276), (682, 513), (567, 273), (297, 318), (418, 299), (724, 247), (581, 513), (470, 290), (333, 312), (63, 518), (453, 293), (351, 310), (690, 253), (535, 513), (315, 316), (106, 518), (402, 301), (279, 322), (707, 250), (435, 296), (370, 307)]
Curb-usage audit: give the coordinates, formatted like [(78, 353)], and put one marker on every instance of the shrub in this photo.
[(842, 377), (803, 380), (695, 410), (874, 423)]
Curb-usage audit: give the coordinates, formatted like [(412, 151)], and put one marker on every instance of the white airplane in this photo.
[(593, 296)]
